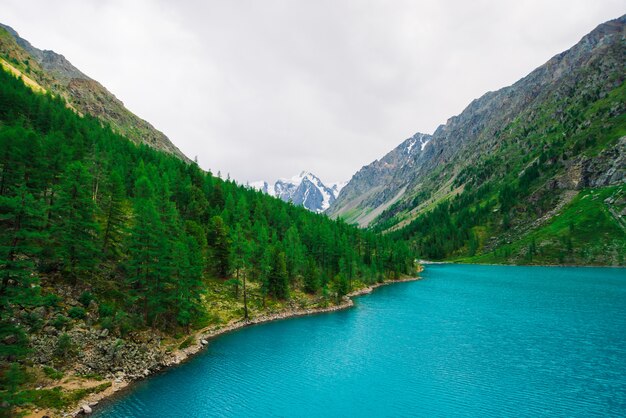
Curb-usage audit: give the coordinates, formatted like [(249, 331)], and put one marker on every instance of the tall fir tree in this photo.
[(75, 229), (219, 242)]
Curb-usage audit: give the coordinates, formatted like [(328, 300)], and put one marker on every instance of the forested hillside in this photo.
[(89, 219)]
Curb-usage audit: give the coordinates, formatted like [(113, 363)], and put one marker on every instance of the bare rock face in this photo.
[(608, 169), (378, 182)]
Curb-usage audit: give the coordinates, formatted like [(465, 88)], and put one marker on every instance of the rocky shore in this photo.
[(135, 361)]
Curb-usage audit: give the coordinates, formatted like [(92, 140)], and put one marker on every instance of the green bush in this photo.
[(65, 347), (60, 321), (188, 341), (106, 309), (86, 298), (52, 373), (51, 300), (107, 323), (56, 399), (76, 312)]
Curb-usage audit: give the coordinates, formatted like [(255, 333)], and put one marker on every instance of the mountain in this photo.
[(305, 190), (370, 186), (531, 173), (47, 71)]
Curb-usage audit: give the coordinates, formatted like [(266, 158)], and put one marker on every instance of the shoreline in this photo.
[(466, 263), (202, 337)]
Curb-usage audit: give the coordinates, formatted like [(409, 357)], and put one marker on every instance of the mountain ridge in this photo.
[(54, 73), (554, 131)]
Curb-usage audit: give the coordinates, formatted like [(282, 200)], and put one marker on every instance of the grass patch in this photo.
[(56, 398), (186, 343), (53, 373)]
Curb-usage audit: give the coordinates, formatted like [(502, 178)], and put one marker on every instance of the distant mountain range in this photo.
[(531, 173), (305, 189), (47, 71)]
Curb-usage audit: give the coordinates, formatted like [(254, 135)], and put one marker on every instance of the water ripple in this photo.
[(469, 341)]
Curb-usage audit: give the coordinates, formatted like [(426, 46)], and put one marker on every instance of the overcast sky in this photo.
[(265, 89)]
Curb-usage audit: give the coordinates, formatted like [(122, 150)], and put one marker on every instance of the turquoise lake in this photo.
[(467, 341)]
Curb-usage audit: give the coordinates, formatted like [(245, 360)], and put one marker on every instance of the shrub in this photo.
[(51, 300), (106, 309), (188, 341), (60, 322), (52, 373), (65, 347), (86, 298), (76, 312), (107, 323)]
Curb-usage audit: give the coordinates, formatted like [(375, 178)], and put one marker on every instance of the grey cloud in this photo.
[(264, 89)]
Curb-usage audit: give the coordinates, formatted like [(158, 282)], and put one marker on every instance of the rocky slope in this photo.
[(305, 189), (547, 137), (49, 71), (376, 186)]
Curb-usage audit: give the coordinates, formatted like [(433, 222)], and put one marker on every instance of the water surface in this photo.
[(465, 341)]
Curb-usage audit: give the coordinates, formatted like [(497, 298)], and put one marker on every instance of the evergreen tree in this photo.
[(144, 248), (75, 228), (311, 277), (278, 282), (219, 243), (294, 253), (339, 286), (114, 215)]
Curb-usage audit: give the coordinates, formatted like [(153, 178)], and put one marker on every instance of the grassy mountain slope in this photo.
[(506, 168), (590, 230), (52, 72)]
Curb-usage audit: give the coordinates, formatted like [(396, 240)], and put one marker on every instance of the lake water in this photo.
[(475, 341)]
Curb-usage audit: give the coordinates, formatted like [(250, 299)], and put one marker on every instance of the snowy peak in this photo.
[(305, 189), (418, 140)]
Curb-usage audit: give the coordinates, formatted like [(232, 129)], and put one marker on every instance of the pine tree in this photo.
[(339, 286), (20, 241), (294, 253), (75, 228), (219, 243), (278, 281), (311, 277), (144, 248), (114, 215)]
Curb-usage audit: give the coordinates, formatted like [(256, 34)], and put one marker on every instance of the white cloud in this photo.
[(265, 89)]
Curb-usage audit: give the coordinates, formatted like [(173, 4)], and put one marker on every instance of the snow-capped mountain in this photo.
[(305, 190)]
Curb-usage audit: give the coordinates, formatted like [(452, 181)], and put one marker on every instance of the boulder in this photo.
[(86, 409)]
